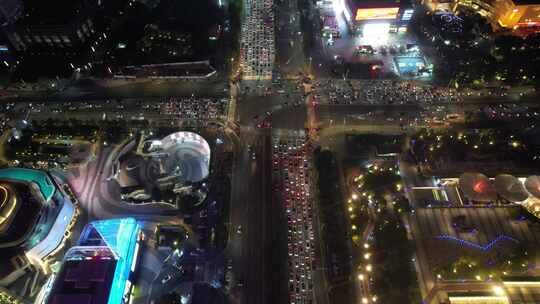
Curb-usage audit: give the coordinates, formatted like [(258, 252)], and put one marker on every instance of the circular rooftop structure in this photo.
[(187, 155), (532, 184), (510, 188), (477, 187)]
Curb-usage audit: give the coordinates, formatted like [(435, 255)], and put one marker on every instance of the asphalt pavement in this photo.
[(248, 232)]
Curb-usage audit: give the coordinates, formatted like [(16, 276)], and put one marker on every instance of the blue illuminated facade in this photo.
[(109, 248), (121, 236)]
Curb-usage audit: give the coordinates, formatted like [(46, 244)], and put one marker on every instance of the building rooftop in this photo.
[(41, 178), (19, 214), (84, 281), (22, 211), (39, 12), (96, 271)]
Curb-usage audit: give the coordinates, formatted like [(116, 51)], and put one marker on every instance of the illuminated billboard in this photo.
[(407, 15), (376, 13)]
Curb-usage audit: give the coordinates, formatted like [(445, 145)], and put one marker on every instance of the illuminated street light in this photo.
[(369, 268), (366, 256), (361, 277), (364, 300), (366, 245), (354, 196)]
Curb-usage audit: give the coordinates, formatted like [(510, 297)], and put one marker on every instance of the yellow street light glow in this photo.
[(350, 209), (374, 299), (498, 290), (478, 277), (354, 196), (364, 300), (353, 227), (369, 268), (361, 277), (366, 245), (366, 256)]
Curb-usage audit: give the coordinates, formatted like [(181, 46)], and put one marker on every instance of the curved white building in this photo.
[(185, 154)]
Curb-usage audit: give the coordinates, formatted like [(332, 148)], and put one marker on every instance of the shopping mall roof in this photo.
[(41, 178)]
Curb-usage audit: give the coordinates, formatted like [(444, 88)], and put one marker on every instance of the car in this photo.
[(166, 279)]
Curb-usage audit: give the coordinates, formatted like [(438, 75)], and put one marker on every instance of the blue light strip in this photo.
[(486, 247), (121, 236)]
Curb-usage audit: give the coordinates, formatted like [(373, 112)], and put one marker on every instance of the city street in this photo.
[(250, 217)]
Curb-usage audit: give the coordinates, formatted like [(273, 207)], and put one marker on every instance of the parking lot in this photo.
[(291, 173)]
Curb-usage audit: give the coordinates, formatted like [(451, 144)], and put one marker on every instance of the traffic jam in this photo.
[(291, 171)]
